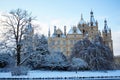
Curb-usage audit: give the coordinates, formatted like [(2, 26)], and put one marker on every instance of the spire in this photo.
[(65, 30), (82, 20), (92, 20), (49, 32), (96, 23), (81, 17), (54, 30), (106, 29), (91, 13)]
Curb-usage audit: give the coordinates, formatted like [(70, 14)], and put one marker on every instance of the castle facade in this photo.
[(64, 42)]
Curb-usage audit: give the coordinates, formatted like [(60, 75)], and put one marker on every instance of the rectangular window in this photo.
[(71, 41), (64, 42), (64, 50), (58, 42)]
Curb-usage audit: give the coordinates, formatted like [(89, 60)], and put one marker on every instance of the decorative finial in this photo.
[(105, 21), (91, 12), (81, 17)]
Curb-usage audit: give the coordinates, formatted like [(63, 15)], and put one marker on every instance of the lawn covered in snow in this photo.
[(62, 74)]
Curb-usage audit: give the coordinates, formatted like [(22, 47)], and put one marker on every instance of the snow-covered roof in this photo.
[(53, 35), (82, 20), (93, 21), (74, 30), (58, 32), (63, 36)]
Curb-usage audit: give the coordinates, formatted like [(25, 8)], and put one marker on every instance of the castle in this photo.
[(64, 42)]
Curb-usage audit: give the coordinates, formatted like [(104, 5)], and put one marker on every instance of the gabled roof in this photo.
[(74, 30)]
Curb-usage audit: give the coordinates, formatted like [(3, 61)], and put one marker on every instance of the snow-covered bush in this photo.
[(19, 70), (6, 61), (35, 61), (78, 64), (56, 61)]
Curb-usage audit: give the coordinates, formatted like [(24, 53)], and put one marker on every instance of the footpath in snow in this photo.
[(63, 74)]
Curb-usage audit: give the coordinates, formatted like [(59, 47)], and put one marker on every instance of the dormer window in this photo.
[(82, 25), (74, 30), (58, 35)]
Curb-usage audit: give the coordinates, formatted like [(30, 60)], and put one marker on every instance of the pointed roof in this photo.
[(82, 20), (92, 20), (74, 30), (106, 29)]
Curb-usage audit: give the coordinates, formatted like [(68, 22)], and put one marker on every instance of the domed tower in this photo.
[(83, 27), (106, 34), (93, 27)]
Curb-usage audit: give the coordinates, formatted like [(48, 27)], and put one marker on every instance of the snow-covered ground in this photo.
[(63, 74)]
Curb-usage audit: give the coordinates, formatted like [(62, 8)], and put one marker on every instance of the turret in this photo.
[(49, 32), (106, 34), (65, 30), (82, 21), (96, 23), (92, 20), (54, 30), (106, 29), (83, 27)]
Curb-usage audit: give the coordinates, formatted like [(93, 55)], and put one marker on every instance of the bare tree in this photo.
[(15, 23)]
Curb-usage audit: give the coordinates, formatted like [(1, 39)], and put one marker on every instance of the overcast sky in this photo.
[(68, 12)]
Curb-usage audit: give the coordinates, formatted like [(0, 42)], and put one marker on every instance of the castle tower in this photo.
[(93, 27), (106, 34), (83, 27)]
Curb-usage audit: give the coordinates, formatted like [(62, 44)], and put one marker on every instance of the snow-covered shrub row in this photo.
[(19, 70), (78, 64), (56, 61)]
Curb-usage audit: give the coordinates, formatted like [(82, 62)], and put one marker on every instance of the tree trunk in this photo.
[(18, 54)]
